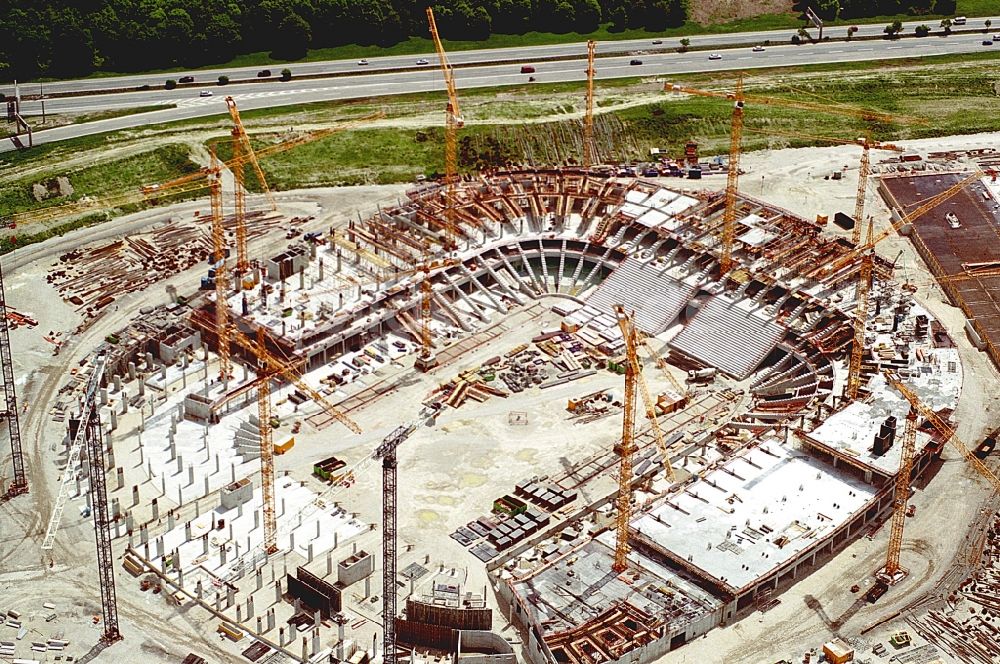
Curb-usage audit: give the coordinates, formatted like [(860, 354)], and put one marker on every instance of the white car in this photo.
[(362, 61), (715, 56), (205, 93), (758, 49), (421, 61)]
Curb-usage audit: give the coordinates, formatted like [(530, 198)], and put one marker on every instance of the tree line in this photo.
[(849, 9), (65, 38)]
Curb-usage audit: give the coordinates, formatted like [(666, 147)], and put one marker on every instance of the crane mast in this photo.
[(453, 121), (387, 452), (243, 152), (861, 295), (588, 118), (266, 449), (901, 495), (859, 203), (624, 501), (221, 269), (732, 179)]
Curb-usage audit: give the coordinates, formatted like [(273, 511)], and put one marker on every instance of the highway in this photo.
[(460, 58), (189, 104)]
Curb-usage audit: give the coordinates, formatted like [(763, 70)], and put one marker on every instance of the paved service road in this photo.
[(248, 96)]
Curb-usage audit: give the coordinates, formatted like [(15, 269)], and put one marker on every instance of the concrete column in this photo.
[(309, 553), (230, 596), (131, 370), (120, 474), (155, 506), (187, 531), (204, 544), (104, 396), (260, 579), (118, 382), (170, 520), (277, 591), (249, 607), (144, 536)]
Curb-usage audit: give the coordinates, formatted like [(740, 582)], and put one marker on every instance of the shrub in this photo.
[(223, 80), (922, 30), (170, 84), (286, 74)]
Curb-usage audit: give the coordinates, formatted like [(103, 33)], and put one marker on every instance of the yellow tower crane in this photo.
[(243, 152), (901, 494), (633, 381), (902, 489), (867, 144), (453, 121), (739, 100), (588, 118), (221, 269)]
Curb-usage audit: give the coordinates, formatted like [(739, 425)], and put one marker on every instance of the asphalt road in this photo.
[(189, 103)]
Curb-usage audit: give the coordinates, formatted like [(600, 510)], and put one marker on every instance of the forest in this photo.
[(70, 38)]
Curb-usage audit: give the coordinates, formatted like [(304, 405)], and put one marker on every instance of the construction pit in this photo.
[(507, 486)]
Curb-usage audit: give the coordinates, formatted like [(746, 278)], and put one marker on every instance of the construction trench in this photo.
[(775, 472)]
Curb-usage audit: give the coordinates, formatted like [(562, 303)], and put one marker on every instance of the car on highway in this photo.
[(987, 42), (205, 93), (421, 61), (657, 41), (527, 69), (714, 56), (362, 61), (186, 79), (758, 49), (996, 37), (635, 62), (263, 73)]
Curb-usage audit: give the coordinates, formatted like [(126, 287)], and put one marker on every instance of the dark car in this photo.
[(263, 73), (186, 79), (635, 62), (987, 42), (527, 69)]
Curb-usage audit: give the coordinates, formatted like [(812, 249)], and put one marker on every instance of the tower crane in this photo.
[(907, 218), (942, 427), (633, 381), (453, 121), (270, 367), (739, 100), (901, 494), (906, 462), (221, 269), (588, 118), (867, 144), (243, 153)]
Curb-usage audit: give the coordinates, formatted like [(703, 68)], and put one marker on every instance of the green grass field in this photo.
[(100, 180)]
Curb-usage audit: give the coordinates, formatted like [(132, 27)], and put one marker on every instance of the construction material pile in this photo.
[(93, 277)]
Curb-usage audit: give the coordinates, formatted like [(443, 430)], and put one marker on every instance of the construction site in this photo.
[(549, 414)]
